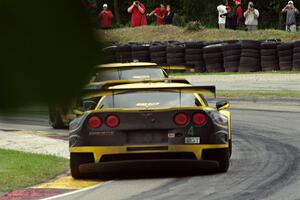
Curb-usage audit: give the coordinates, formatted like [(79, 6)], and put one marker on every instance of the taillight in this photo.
[(181, 119), (94, 122), (199, 119), (112, 121)]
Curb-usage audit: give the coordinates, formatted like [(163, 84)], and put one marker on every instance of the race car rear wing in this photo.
[(182, 89), (98, 86)]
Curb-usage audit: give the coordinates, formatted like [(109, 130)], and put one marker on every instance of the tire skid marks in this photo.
[(261, 165), (278, 170)]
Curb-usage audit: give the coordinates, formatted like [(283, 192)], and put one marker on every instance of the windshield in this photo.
[(143, 73), (153, 99)]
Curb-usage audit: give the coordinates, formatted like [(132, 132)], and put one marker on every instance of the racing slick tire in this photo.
[(222, 156), (77, 159), (55, 119), (230, 147)]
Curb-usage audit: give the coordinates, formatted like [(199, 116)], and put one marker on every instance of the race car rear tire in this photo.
[(220, 155), (223, 159), (55, 119), (77, 159), (230, 147)]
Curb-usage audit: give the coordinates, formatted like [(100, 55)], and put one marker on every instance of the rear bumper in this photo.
[(154, 165), (99, 151)]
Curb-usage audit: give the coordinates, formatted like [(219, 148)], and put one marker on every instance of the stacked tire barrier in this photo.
[(232, 54), (124, 53), (158, 53), (194, 56), (176, 54), (269, 56), (140, 52), (296, 56), (110, 53), (213, 57), (250, 56), (285, 55)]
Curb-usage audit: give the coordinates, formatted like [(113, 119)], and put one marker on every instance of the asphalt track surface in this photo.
[(265, 165)]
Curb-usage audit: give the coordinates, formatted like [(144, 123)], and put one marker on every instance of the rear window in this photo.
[(142, 73), (153, 99)]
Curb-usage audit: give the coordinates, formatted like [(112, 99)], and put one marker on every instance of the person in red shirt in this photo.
[(159, 13), (105, 17), (239, 14), (137, 10)]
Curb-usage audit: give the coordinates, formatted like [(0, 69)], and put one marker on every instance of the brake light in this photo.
[(181, 119), (112, 121), (94, 122), (199, 119)]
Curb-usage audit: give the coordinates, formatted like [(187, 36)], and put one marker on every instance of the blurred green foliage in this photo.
[(179, 20), (194, 26), (47, 51)]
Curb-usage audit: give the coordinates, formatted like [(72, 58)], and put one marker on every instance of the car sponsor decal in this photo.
[(141, 77), (191, 131), (147, 104)]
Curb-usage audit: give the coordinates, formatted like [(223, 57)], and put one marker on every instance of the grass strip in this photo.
[(20, 170), (258, 93), (169, 32), (232, 73)]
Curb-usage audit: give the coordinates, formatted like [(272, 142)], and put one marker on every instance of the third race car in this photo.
[(113, 73)]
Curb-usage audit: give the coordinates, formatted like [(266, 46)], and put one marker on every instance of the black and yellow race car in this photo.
[(107, 74), (146, 122)]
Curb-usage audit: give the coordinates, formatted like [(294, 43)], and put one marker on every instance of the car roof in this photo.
[(150, 85), (129, 64)]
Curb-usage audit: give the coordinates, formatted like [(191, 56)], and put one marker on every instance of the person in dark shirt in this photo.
[(239, 14), (229, 16), (168, 18), (291, 13)]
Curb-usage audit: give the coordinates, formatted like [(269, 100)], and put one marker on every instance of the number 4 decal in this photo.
[(191, 131)]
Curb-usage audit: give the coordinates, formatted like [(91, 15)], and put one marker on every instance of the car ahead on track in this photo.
[(114, 73), (150, 122)]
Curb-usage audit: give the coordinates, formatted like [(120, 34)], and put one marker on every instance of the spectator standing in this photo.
[(291, 12), (229, 17), (239, 14), (137, 10), (159, 13), (168, 18), (222, 11), (105, 17), (251, 17)]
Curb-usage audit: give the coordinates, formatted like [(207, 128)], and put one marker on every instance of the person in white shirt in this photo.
[(222, 16), (251, 17)]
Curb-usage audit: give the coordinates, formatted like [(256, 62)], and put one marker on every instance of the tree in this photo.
[(116, 11)]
